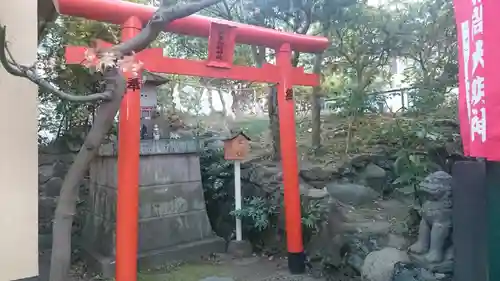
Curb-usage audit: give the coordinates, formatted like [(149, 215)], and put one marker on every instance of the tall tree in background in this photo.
[(363, 46), (430, 48), (66, 120), (327, 15), (108, 104), (292, 16)]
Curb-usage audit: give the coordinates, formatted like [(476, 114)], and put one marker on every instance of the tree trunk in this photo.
[(236, 106), (356, 106), (66, 206), (274, 122), (210, 100), (259, 55), (222, 101), (315, 106)]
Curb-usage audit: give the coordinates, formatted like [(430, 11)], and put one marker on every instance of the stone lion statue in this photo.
[(436, 224)]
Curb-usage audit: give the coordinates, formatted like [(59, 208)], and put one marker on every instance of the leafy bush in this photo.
[(259, 215), (313, 215), (216, 175), (256, 212), (417, 147)]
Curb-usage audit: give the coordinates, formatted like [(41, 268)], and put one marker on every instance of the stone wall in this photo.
[(52, 167), (173, 222)]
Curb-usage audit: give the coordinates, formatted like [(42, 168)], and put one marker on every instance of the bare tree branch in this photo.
[(103, 121), (29, 72), (164, 15), (110, 87), (228, 10)]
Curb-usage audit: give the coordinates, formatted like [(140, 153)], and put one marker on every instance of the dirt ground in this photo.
[(248, 269)]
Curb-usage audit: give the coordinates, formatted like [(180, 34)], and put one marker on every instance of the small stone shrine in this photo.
[(149, 101), (173, 222)]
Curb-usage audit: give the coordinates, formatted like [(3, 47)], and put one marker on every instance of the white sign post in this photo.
[(237, 197), (236, 149)]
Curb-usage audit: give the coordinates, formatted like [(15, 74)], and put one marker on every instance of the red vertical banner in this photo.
[(479, 85)]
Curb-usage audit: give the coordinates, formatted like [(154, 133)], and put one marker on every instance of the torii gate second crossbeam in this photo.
[(222, 36)]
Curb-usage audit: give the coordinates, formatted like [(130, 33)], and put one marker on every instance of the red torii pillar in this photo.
[(128, 159), (219, 65)]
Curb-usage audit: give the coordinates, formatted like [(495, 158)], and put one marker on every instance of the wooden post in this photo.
[(237, 197), (236, 148)]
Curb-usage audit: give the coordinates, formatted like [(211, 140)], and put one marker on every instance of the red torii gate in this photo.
[(222, 35)]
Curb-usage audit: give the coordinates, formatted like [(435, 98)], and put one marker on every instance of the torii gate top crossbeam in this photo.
[(117, 12)]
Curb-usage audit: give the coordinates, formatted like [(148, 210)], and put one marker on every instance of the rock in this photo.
[(445, 266), (53, 187), (373, 171), (268, 177), (317, 194), (217, 279), (353, 194), (239, 249), (374, 227), (327, 243), (379, 265), (60, 169), (46, 206), (375, 177), (45, 172), (359, 245), (46, 209), (318, 176), (397, 241), (362, 160), (326, 248), (47, 158), (409, 272)]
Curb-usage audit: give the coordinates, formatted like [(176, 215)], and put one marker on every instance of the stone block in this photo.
[(45, 173), (53, 187), (240, 249), (192, 251), (173, 222), (153, 170), (157, 147)]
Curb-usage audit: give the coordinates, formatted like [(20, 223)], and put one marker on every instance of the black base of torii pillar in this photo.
[(476, 220)]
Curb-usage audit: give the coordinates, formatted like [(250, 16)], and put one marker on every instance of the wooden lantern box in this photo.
[(237, 147)]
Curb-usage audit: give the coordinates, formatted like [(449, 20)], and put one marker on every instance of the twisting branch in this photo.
[(109, 61), (164, 15), (29, 72)]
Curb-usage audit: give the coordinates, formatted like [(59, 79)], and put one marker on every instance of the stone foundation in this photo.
[(173, 223)]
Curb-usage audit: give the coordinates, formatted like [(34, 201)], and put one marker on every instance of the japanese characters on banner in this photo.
[(479, 84)]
